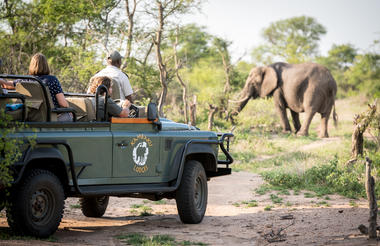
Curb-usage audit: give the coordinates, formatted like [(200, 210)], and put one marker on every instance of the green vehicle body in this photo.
[(143, 157)]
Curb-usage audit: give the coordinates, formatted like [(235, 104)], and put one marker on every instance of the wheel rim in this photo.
[(199, 195), (41, 206)]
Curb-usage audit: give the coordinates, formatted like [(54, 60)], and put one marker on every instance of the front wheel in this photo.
[(94, 206), (191, 196), (36, 206)]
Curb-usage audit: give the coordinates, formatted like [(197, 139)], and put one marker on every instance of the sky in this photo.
[(241, 21)]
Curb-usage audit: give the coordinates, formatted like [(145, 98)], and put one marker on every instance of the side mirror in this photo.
[(152, 112), (153, 115)]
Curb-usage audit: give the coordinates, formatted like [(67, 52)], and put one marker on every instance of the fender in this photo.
[(41, 153), (203, 153)]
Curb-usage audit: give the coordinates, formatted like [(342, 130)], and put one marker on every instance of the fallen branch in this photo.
[(279, 236)]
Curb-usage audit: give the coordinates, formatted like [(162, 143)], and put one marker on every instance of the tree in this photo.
[(162, 12), (293, 40), (339, 59)]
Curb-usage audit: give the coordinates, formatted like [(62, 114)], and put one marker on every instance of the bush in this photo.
[(9, 149), (286, 180), (326, 178)]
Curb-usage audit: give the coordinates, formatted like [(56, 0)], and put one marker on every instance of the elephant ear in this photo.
[(269, 81)]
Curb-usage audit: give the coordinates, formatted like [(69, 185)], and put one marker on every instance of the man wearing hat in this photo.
[(113, 71)]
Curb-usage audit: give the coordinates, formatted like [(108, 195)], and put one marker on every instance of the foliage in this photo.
[(293, 40), (355, 73), (9, 148), (344, 180)]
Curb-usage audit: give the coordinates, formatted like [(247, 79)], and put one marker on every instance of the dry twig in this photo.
[(279, 235)]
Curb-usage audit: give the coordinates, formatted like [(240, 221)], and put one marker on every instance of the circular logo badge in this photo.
[(140, 153)]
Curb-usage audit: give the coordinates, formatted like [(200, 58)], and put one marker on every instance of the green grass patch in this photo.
[(248, 204), (160, 202), (308, 195), (288, 204), (7, 234), (275, 199), (322, 179), (141, 209), (156, 240), (353, 203), (75, 206), (268, 208)]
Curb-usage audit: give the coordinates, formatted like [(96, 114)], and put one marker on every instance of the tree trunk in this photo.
[(212, 110), (177, 64), (357, 143), (371, 196), (193, 111), (160, 63), (130, 15), (361, 123)]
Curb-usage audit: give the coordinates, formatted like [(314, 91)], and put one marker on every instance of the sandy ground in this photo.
[(225, 223)]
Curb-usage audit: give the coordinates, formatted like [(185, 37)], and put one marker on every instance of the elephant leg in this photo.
[(296, 120), (305, 127), (324, 124), (281, 110)]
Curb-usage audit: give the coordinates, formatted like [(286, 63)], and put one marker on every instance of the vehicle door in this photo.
[(136, 150)]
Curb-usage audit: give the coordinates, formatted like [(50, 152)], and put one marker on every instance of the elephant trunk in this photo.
[(247, 93), (240, 104)]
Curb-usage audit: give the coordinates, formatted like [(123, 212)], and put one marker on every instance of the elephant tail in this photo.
[(335, 117)]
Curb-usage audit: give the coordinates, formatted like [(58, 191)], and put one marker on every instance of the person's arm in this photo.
[(129, 98), (62, 100), (124, 113), (114, 110), (7, 84)]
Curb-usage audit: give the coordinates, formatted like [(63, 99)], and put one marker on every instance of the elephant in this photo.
[(306, 87)]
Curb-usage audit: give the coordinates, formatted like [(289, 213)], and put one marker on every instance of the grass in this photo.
[(160, 202), (268, 208), (156, 240), (7, 234), (75, 206), (248, 204), (141, 209), (275, 199)]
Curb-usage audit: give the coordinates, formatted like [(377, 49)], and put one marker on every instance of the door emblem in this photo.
[(140, 152)]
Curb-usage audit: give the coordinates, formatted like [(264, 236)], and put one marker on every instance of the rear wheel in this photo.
[(94, 206), (191, 196), (36, 206)]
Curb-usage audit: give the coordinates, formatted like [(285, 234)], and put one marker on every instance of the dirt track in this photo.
[(224, 223)]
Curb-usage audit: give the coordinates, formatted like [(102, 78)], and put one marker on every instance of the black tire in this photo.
[(94, 206), (191, 196), (36, 205)]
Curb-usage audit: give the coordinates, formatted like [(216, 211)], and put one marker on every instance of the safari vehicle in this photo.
[(143, 157)]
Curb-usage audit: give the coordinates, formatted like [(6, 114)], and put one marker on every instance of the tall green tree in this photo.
[(292, 40)]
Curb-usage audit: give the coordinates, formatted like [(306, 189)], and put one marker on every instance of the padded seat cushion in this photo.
[(83, 107)]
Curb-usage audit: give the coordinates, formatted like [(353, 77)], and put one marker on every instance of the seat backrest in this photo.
[(35, 100), (115, 90), (83, 107)]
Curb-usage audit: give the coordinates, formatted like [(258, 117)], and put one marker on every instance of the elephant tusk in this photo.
[(241, 100)]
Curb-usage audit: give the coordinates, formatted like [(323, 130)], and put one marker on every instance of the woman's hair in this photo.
[(39, 65), (102, 80)]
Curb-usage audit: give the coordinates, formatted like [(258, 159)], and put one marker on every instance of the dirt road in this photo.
[(228, 220)]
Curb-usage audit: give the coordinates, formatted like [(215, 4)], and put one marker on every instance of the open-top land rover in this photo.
[(145, 157)]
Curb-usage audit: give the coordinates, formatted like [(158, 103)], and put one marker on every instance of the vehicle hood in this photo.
[(168, 125)]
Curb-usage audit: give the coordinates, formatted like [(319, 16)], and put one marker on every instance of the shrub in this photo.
[(323, 179)]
